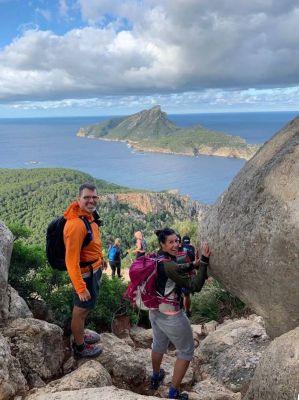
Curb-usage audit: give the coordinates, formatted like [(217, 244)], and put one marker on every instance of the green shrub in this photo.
[(215, 303), (110, 304)]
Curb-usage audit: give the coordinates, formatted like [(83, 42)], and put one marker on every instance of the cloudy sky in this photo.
[(105, 57)]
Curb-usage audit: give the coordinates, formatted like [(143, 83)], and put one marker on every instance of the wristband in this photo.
[(204, 259)]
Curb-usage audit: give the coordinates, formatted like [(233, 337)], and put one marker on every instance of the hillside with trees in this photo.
[(31, 198)]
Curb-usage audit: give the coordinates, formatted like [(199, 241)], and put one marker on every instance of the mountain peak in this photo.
[(155, 108)]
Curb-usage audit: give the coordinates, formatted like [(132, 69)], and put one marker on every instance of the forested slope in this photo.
[(33, 197)]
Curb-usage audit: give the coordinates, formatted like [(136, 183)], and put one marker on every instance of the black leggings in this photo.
[(115, 265)]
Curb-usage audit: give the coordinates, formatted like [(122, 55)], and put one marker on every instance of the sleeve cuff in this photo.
[(204, 259)]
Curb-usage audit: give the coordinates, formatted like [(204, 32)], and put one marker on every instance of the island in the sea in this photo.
[(151, 130)]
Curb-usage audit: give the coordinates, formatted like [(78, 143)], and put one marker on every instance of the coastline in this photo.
[(203, 150)]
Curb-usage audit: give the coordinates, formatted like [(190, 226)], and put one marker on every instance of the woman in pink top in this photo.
[(169, 322)]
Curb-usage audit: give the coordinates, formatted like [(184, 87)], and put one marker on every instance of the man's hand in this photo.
[(84, 296)]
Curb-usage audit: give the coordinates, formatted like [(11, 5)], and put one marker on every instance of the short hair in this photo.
[(117, 241), (186, 239), (87, 185), (163, 233)]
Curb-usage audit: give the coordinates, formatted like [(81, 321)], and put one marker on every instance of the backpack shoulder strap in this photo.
[(88, 238)]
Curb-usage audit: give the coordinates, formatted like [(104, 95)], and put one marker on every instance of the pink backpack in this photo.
[(142, 289)]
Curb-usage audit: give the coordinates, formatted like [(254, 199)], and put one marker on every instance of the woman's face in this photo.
[(171, 245)]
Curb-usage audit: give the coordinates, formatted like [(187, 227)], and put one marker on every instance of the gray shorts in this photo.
[(93, 286), (175, 329)]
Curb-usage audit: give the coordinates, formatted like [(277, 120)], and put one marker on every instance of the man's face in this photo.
[(88, 200)]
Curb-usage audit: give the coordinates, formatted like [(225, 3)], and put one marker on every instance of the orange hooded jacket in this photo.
[(74, 234)]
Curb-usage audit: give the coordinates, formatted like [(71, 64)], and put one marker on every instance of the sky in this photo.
[(109, 57)]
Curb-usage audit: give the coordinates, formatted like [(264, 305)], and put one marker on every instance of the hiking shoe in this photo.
[(91, 337), (156, 379), (88, 351), (176, 394)]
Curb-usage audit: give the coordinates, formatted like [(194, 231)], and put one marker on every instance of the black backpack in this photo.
[(190, 250), (55, 248)]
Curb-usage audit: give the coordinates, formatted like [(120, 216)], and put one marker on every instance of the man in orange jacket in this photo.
[(84, 266)]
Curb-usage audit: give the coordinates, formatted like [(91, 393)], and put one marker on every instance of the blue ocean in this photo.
[(52, 142)]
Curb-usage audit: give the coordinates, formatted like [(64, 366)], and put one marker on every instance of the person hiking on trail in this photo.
[(115, 255), (140, 249), (168, 322), (189, 249), (84, 265)]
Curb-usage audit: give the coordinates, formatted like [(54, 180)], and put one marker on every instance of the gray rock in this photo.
[(17, 305), (107, 392), (253, 232), (88, 375), (202, 330), (168, 362), (212, 390), (231, 353), (6, 244), (37, 345), (277, 375), (12, 381), (141, 337), (121, 361)]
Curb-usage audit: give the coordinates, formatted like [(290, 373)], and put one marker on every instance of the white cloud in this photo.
[(206, 100), (172, 46), (46, 14), (63, 8)]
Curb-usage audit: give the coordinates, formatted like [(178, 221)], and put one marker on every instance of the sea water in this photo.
[(52, 142)]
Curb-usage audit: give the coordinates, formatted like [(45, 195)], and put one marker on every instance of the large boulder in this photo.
[(121, 361), (88, 375), (231, 353), (12, 381), (17, 307), (277, 375), (37, 345), (253, 232), (212, 390), (141, 337), (107, 392), (6, 244)]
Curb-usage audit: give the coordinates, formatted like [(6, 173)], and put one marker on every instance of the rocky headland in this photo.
[(151, 131)]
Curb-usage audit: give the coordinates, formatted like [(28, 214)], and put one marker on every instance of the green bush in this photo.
[(215, 303), (110, 304)]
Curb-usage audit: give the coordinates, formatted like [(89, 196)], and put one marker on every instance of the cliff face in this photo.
[(180, 206)]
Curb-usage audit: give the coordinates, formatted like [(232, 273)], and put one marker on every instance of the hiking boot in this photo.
[(88, 351), (91, 337), (157, 379), (176, 394)]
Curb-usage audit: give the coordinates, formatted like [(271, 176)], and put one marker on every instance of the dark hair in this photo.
[(162, 234), (87, 185), (179, 237), (186, 239)]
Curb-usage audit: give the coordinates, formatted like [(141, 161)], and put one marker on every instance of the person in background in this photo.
[(169, 323), (189, 249), (140, 248), (84, 266), (115, 255)]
